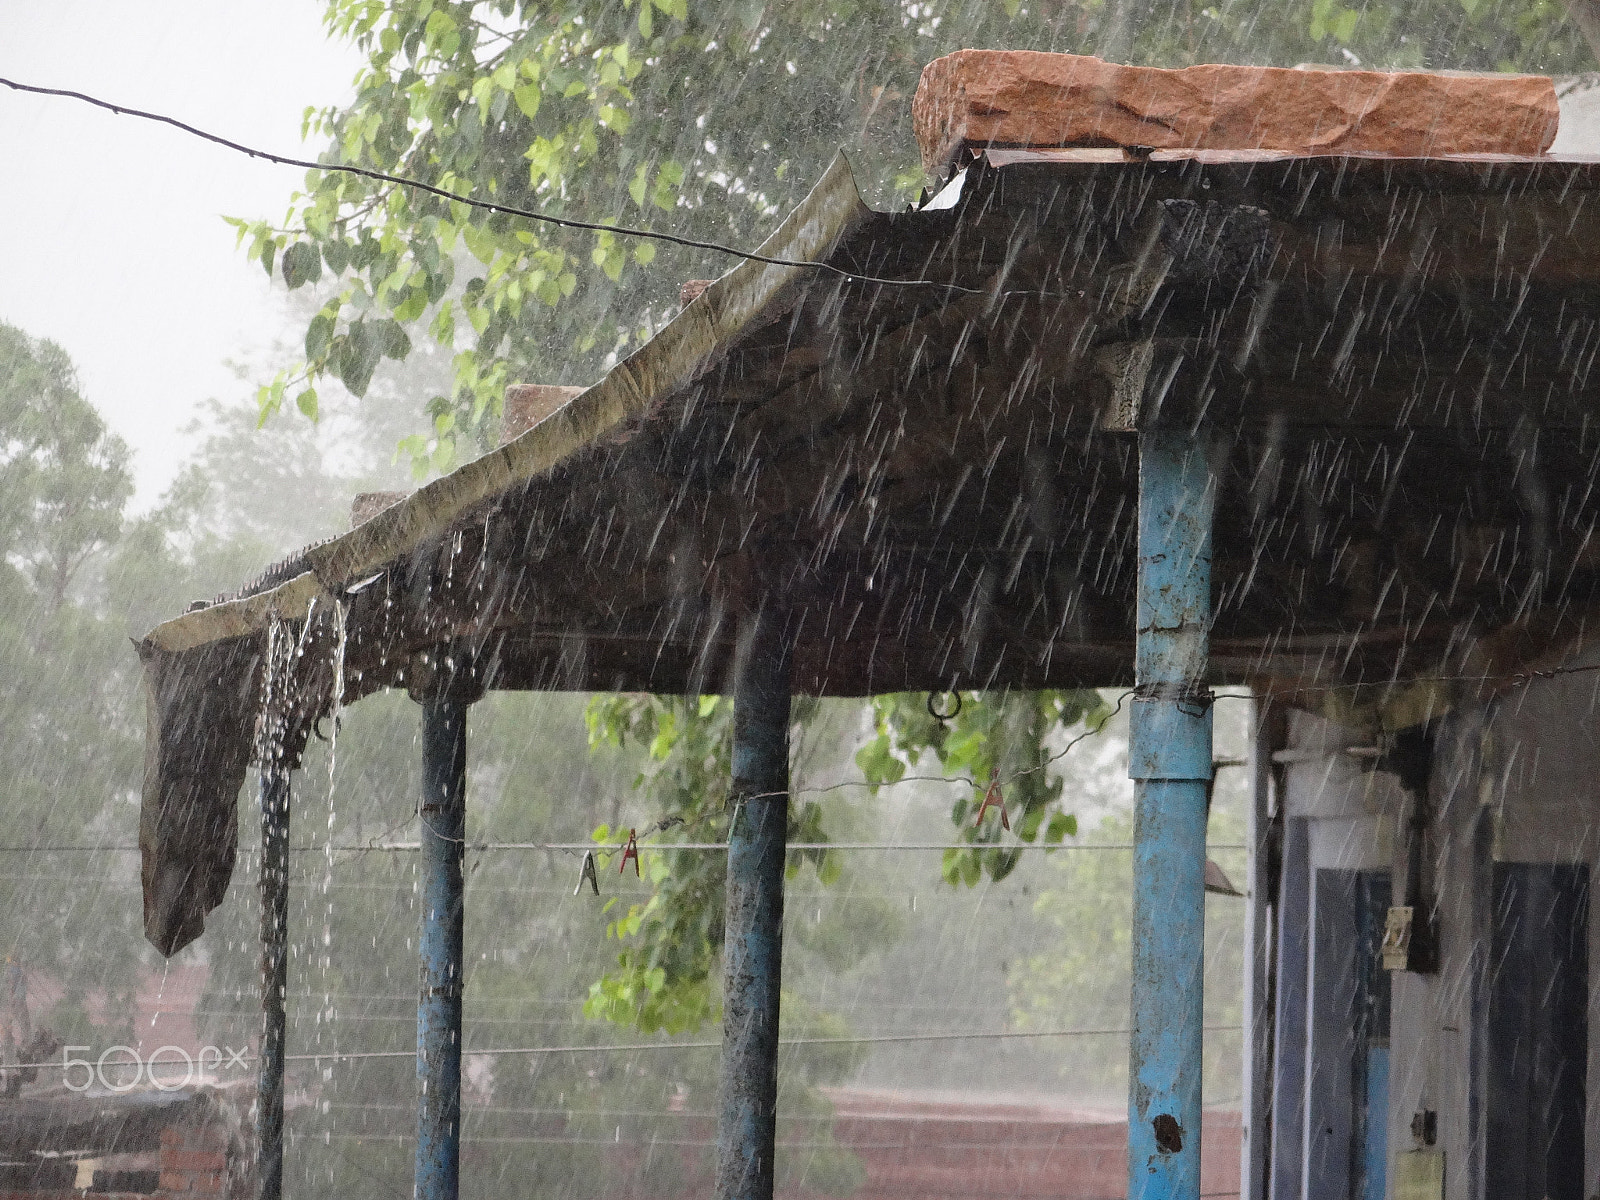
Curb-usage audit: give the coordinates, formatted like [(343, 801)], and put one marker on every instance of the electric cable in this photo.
[(527, 214), (632, 1047)]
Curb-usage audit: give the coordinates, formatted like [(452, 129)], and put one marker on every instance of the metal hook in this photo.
[(943, 717)]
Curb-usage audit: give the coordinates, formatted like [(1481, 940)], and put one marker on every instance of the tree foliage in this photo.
[(703, 117), (64, 476), (997, 740), (70, 753), (671, 943)]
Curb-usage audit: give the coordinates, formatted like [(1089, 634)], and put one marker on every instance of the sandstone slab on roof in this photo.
[(984, 98)]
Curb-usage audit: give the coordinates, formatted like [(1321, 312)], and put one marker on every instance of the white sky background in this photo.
[(111, 237)]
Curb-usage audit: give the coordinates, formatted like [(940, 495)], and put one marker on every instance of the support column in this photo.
[(747, 1124), (1290, 1020), (443, 812), (1265, 836), (1169, 753), (274, 885)]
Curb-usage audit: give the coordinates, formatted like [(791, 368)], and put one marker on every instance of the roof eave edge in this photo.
[(668, 361)]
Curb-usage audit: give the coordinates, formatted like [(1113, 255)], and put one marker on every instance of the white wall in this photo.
[(1514, 781), (1541, 783)]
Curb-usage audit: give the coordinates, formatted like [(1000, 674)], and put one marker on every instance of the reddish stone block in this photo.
[(982, 98), (692, 290)]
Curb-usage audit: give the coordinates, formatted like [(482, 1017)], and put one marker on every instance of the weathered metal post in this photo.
[(1169, 753), (274, 885), (747, 1125), (443, 813)]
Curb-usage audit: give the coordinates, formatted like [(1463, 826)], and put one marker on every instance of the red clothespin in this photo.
[(631, 850), (993, 797)]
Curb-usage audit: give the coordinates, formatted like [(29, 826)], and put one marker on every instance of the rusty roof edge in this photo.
[(1000, 156), (672, 358)]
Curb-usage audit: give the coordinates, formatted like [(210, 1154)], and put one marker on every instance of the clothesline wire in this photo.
[(611, 848)]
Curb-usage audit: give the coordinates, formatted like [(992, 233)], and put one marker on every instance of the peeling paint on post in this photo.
[(746, 1128), (444, 766), (1169, 755), (274, 885)]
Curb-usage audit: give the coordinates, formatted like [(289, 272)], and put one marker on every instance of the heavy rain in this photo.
[(655, 598)]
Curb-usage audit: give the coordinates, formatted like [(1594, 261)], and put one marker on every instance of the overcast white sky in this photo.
[(111, 238)]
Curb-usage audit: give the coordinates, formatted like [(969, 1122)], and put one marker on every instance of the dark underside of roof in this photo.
[(1390, 360)]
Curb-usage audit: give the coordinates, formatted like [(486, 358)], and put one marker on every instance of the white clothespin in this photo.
[(588, 872)]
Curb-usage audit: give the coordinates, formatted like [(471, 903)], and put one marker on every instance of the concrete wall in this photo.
[(1517, 781), (1540, 789)]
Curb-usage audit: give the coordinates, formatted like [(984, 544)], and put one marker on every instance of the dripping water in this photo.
[(326, 1015)]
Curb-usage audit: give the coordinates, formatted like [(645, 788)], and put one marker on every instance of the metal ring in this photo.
[(944, 716)]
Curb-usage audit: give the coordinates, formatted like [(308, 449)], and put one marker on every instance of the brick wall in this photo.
[(188, 1145), (194, 1161)]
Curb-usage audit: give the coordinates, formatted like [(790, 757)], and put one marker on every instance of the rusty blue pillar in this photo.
[(752, 954), (443, 812), (1169, 758), (274, 888)]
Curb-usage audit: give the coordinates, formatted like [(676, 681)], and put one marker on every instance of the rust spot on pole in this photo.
[(1169, 1134)]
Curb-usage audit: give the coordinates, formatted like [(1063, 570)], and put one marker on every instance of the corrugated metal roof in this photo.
[(932, 474)]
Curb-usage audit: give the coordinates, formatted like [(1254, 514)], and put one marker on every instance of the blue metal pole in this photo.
[(274, 885), (444, 766), (1169, 753), (747, 1124)]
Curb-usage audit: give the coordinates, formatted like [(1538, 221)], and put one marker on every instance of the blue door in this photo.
[(1372, 1039), (1375, 1145), (1347, 1051), (1538, 1032)]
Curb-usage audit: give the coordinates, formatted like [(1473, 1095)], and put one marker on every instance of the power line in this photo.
[(633, 1047), (602, 848), (487, 206), (599, 848)]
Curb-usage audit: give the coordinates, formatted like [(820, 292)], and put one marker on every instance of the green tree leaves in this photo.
[(71, 754), (712, 117), (302, 264), (996, 737), (671, 943), (64, 476)]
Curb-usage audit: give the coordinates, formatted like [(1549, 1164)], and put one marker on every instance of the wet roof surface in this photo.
[(1390, 357)]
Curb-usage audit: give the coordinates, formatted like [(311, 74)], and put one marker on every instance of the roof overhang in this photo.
[(1391, 357)]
